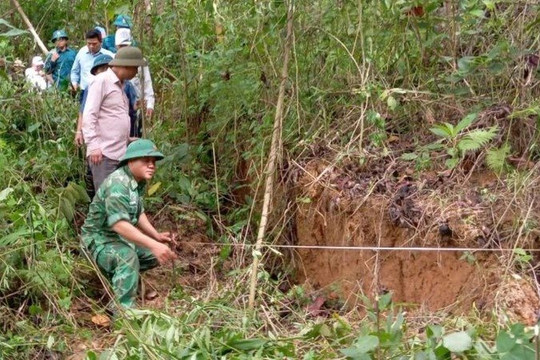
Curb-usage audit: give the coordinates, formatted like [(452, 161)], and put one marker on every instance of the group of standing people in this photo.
[(114, 86), (65, 69)]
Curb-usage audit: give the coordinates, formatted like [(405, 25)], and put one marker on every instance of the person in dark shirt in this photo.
[(60, 60)]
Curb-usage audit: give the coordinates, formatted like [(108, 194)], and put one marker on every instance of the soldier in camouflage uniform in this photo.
[(117, 232)]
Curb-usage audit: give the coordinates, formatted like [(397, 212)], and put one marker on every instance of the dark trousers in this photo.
[(135, 118), (102, 170), (81, 96), (89, 182)]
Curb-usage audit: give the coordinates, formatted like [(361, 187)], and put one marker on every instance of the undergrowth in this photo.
[(455, 81)]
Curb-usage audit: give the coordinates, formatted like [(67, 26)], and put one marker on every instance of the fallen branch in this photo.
[(30, 27), (271, 165)]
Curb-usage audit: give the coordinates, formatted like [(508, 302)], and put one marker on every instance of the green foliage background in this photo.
[(360, 72)]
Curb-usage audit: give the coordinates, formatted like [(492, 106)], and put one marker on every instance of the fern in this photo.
[(12, 238), (496, 158), (477, 139)]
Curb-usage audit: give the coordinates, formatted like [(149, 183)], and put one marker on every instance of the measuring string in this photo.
[(368, 248)]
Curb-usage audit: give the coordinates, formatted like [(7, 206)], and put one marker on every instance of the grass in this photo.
[(366, 83)]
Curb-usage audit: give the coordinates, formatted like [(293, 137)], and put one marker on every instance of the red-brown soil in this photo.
[(387, 207)]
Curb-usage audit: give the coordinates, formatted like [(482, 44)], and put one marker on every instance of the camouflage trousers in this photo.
[(121, 265)]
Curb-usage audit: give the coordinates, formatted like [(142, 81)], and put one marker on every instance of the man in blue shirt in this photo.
[(80, 72), (60, 60), (121, 22)]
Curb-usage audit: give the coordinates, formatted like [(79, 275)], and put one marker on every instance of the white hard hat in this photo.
[(122, 37), (37, 61)]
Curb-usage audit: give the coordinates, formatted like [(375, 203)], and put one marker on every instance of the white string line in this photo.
[(367, 248)]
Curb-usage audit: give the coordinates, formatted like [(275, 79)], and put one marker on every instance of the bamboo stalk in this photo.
[(142, 99), (30, 27), (271, 165)]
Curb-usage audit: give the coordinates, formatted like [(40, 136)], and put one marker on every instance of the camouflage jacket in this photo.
[(118, 198)]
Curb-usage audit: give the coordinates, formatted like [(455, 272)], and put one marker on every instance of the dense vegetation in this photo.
[(361, 75)]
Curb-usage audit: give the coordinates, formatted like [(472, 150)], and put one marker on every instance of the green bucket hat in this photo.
[(58, 34), (141, 148), (99, 60), (128, 56)]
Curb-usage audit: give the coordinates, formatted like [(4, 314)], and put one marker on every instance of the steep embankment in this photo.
[(383, 204)]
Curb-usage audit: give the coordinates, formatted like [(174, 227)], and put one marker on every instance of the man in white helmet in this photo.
[(143, 80), (35, 74)]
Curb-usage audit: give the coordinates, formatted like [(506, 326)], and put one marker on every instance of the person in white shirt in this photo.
[(123, 38), (80, 72), (35, 74)]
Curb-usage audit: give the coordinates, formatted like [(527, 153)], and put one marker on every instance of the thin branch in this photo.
[(30, 27), (271, 165)]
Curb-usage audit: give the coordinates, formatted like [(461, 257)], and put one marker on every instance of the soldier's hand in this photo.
[(149, 113), (96, 156), (164, 237), (55, 56), (163, 253)]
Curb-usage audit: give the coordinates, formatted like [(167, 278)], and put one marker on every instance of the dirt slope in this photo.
[(387, 207)]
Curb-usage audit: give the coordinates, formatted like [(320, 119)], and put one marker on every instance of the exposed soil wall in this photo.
[(352, 208), (433, 279)]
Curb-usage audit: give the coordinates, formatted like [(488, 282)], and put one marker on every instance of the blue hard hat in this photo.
[(99, 60), (123, 21), (58, 34)]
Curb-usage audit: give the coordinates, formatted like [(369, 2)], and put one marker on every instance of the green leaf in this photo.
[(465, 122), (184, 184), (225, 252), (91, 355), (384, 301), (34, 127), (13, 32), (355, 354), (13, 237), (518, 329), (477, 12), (366, 343), (520, 352), (464, 63), (490, 4), (67, 209), (434, 331), (81, 194), (442, 353), (425, 355), (247, 344), (443, 130), (5, 193), (325, 331), (457, 342), (6, 23), (50, 342), (154, 188), (409, 156), (392, 103)]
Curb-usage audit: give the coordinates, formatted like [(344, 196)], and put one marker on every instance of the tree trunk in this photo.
[(30, 27)]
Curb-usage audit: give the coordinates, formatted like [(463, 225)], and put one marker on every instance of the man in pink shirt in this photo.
[(106, 122)]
